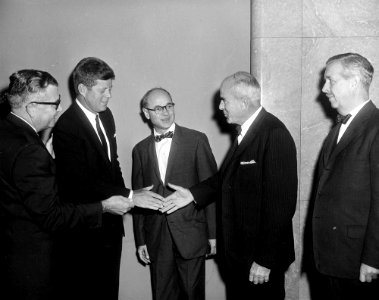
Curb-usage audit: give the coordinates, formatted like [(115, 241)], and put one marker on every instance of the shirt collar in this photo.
[(355, 111), (22, 119), (172, 128), (246, 125), (90, 115)]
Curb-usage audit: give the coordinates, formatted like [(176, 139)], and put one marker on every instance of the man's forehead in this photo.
[(159, 97), (103, 83)]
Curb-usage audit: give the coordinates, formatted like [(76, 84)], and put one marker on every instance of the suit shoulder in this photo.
[(191, 133), (67, 117), (274, 122), (141, 145)]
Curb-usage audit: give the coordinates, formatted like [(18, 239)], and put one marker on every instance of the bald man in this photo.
[(174, 245)]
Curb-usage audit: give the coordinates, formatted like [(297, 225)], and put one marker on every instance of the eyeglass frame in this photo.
[(56, 103), (160, 109)]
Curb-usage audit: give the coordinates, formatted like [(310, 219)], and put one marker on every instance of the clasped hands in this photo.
[(145, 198), (119, 205), (180, 198)]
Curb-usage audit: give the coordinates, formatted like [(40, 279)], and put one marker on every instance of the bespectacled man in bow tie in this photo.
[(174, 245), (345, 219)]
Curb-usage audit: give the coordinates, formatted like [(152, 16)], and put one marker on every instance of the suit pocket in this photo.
[(355, 231)]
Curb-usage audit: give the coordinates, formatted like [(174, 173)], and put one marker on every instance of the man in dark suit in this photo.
[(257, 184), (176, 244), (84, 142), (346, 210), (30, 210)]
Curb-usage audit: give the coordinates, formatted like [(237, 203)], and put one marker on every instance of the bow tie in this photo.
[(343, 119), (168, 134)]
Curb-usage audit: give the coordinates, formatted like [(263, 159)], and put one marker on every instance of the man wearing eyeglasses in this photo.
[(88, 169), (30, 210), (174, 245)]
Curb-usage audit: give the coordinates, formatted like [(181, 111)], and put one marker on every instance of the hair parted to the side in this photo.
[(90, 69), (26, 83), (244, 86), (355, 64)]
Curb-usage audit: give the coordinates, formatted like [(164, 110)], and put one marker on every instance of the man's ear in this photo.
[(146, 113), (82, 89)]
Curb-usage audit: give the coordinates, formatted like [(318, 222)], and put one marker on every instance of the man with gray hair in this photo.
[(257, 188), (345, 219), (30, 210)]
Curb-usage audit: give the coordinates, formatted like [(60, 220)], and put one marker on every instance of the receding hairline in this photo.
[(152, 92)]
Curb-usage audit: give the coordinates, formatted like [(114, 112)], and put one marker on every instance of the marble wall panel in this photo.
[(340, 18), (272, 18), (276, 62)]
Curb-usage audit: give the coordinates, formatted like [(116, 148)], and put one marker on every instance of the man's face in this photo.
[(231, 106), (96, 98), (337, 88), (161, 121), (45, 115)]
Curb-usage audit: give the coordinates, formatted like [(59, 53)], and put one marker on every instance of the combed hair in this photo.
[(25, 83), (245, 85), (356, 64), (90, 69)]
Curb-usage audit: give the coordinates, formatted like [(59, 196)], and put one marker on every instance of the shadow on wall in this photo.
[(317, 285)]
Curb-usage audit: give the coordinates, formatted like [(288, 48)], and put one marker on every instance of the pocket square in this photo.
[(248, 162)]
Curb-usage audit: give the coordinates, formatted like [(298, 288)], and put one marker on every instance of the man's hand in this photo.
[(143, 254), (180, 198), (259, 274), (212, 245), (146, 199), (116, 205), (367, 273)]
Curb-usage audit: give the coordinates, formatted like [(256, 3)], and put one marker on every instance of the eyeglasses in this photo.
[(56, 103), (160, 109)]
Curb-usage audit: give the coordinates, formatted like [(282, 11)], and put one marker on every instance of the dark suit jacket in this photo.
[(346, 209), (257, 186), (190, 161), (85, 174), (30, 211)]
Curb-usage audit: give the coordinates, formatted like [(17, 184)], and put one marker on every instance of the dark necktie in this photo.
[(101, 135), (168, 134), (343, 119)]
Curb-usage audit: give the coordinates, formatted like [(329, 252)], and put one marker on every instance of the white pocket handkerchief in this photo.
[(248, 162)]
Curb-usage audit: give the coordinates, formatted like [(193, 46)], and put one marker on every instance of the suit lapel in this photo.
[(236, 150), (176, 141), (328, 145), (90, 131), (153, 154)]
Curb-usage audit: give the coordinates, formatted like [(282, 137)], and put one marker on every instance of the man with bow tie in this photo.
[(345, 219), (174, 245)]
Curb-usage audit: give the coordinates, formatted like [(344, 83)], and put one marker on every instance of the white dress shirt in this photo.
[(353, 113), (246, 125), (162, 149), (92, 119)]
